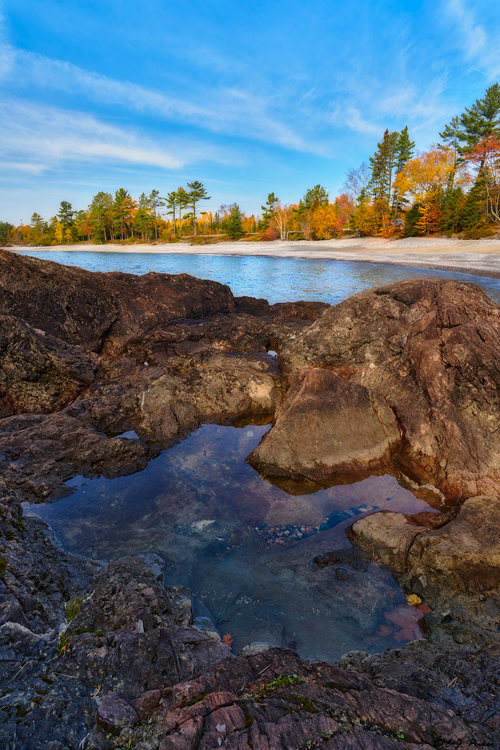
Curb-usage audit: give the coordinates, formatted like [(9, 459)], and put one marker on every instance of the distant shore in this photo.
[(477, 257)]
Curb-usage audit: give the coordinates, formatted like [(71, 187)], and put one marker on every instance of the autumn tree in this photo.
[(484, 158), (100, 216)]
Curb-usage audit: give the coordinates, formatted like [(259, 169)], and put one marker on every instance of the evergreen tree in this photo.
[(232, 224), (5, 232), (475, 210), (122, 209), (197, 192), (404, 149), (314, 197), (451, 206), (154, 202), (66, 215), (268, 211), (413, 218), (477, 122), (382, 164)]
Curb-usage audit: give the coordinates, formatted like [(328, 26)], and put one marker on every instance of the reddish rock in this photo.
[(101, 311), (114, 713), (327, 426), (429, 350)]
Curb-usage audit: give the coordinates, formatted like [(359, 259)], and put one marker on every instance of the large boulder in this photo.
[(463, 555), (428, 350), (327, 425)]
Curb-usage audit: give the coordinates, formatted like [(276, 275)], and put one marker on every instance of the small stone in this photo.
[(114, 713)]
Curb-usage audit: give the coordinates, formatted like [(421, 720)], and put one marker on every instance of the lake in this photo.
[(275, 279)]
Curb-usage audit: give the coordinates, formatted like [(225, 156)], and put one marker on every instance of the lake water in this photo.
[(275, 279), (245, 547)]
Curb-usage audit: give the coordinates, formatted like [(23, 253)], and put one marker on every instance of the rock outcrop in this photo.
[(429, 351), (400, 378)]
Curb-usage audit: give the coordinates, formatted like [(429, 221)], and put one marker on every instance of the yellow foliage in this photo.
[(413, 599), (430, 171)]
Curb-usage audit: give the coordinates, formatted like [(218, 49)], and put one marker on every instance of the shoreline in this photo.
[(474, 257)]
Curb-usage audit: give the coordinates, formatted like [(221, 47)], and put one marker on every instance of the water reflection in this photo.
[(245, 547), (275, 279)]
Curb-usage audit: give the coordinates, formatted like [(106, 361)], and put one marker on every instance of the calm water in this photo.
[(246, 548), (243, 546), (275, 279)]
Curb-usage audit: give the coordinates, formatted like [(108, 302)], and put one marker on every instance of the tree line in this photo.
[(451, 188)]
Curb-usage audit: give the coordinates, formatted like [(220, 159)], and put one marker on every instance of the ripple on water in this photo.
[(245, 547)]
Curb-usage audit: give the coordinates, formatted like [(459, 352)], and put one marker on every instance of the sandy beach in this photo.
[(478, 257)]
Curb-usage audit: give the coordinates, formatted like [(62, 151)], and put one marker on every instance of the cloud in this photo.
[(44, 137), (477, 43), (352, 118), (226, 110)]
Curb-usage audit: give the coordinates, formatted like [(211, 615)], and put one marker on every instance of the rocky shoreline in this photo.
[(402, 379)]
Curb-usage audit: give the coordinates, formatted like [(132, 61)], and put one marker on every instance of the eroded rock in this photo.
[(327, 426)]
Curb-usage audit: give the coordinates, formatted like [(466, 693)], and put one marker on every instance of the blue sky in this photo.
[(247, 97)]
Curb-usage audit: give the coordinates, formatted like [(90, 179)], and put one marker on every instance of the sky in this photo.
[(247, 97)]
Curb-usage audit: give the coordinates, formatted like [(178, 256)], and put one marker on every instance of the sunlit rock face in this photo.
[(428, 351)]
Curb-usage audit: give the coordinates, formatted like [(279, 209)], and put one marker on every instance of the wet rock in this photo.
[(43, 451), (327, 425), (428, 349)]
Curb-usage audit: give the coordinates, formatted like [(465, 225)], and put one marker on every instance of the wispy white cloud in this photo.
[(45, 137), (480, 45), (352, 118), (226, 110)]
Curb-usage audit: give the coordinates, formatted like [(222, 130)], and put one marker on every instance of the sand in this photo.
[(478, 257)]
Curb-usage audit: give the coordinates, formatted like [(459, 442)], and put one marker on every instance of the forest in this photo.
[(451, 189)]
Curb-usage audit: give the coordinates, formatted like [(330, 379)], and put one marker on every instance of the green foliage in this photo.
[(3, 566), (66, 215), (73, 607), (476, 122), (412, 218), (268, 209), (5, 232), (232, 224), (279, 682)]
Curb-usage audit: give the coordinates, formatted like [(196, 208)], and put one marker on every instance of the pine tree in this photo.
[(66, 214), (404, 149), (197, 192), (476, 122), (233, 225), (268, 211), (382, 164)]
